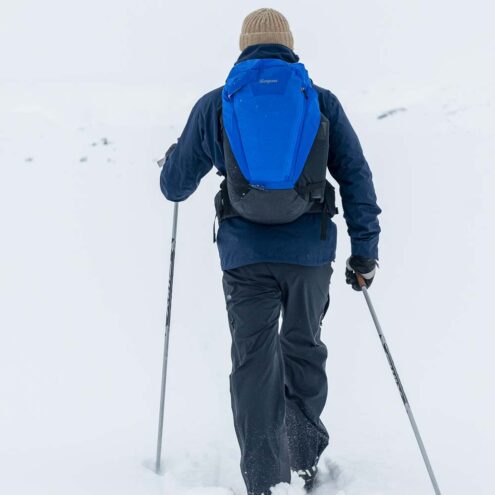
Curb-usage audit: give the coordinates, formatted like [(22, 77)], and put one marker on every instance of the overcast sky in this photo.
[(142, 41)]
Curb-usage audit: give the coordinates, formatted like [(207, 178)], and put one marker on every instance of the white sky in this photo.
[(142, 41)]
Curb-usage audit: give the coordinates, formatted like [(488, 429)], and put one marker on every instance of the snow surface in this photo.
[(91, 94)]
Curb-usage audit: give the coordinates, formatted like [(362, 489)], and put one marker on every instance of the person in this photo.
[(278, 382)]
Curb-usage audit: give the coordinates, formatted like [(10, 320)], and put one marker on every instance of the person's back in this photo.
[(278, 380)]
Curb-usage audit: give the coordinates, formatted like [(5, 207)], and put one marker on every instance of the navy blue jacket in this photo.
[(241, 242)]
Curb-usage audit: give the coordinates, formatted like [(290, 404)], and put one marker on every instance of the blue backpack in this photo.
[(275, 145)]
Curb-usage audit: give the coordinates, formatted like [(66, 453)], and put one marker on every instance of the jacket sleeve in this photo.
[(189, 161), (349, 168)]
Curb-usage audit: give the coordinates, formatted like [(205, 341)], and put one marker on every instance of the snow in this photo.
[(85, 245)]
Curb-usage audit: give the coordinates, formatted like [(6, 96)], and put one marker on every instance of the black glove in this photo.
[(366, 267)]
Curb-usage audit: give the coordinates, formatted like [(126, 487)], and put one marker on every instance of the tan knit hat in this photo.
[(265, 26)]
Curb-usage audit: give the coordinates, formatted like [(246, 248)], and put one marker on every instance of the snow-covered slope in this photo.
[(84, 259)]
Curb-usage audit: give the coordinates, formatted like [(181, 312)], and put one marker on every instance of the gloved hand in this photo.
[(366, 267)]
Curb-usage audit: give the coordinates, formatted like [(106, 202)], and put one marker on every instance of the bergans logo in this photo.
[(268, 81)]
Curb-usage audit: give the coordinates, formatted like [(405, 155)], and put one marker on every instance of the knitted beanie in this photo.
[(265, 26)]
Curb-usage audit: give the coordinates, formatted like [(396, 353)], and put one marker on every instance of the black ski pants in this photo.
[(278, 382)]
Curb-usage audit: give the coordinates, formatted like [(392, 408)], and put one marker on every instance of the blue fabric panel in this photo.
[(271, 116)]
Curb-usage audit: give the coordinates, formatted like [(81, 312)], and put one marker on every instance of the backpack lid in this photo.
[(271, 116)]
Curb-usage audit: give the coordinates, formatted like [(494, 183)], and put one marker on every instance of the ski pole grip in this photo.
[(360, 280)]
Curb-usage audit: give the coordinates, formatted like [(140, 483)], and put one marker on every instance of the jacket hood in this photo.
[(268, 50)]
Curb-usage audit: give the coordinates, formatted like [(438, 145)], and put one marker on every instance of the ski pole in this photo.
[(362, 284), (167, 335)]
